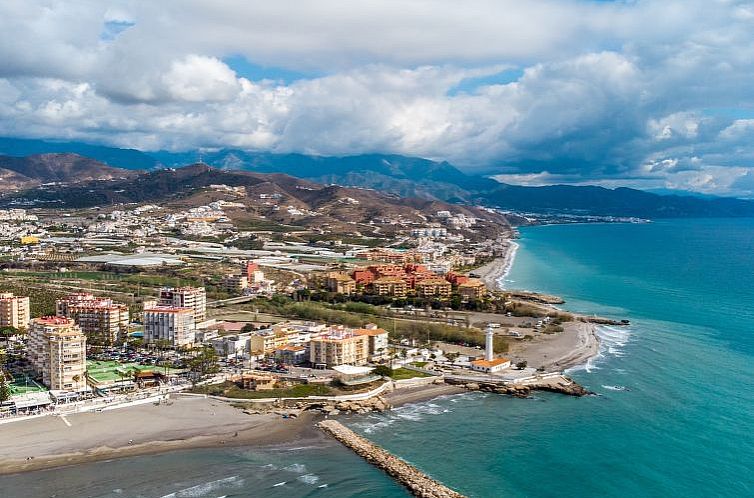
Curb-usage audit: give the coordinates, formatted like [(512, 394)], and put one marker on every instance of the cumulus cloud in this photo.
[(652, 93)]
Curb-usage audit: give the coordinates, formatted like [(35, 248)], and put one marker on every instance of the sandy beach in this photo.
[(574, 346), (186, 422), (492, 272)]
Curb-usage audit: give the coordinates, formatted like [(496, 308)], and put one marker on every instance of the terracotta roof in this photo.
[(371, 332), (489, 363), (291, 348)]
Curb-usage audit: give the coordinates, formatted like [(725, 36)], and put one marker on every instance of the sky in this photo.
[(649, 94)]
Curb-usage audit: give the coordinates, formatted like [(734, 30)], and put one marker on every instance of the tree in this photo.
[(383, 371), (5, 392), (521, 364), (205, 362)]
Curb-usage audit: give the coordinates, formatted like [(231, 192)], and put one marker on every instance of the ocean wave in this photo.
[(206, 488), (510, 258), (297, 468), (309, 478), (613, 340), (413, 412)]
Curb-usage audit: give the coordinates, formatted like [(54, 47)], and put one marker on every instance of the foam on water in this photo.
[(206, 488)]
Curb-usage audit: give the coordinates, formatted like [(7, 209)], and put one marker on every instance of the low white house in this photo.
[(491, 366)]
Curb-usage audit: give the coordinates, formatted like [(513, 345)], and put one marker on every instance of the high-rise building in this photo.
[(14, 311), (101, 319), (186, 297), (172, 324), (57, 350)]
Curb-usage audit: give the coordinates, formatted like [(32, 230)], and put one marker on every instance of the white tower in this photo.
[(489, 350)]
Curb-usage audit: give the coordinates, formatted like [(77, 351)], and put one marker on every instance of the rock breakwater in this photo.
[(417, 482)]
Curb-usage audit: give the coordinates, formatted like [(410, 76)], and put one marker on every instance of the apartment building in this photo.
[(235, 284), (340, 282), (377, 340), (344, 349), (102, 320), (57, 350), (390, 286), (173, 324), (472, 289), (267, 341), (186, 297), (14, 311), (434, 287)]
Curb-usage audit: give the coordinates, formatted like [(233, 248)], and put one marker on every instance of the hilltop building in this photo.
[(14, 311), (57, 350)]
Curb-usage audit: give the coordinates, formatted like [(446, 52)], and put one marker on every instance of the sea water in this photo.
[(674, 415)]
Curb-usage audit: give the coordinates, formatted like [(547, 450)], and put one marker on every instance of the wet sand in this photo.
[(186, 422), (498, 268), (574, 346)]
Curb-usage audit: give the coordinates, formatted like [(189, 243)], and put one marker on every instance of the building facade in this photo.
[(172, 324), (390, 286), (14, 311), (340, 282), (346, 349), (434, 287), (378, 342), (57, 350), (102, 320), (186, 297)]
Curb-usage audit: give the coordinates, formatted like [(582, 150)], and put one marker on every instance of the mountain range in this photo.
[(408, 177)]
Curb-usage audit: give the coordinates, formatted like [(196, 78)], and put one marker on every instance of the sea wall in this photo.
[(417, 482)]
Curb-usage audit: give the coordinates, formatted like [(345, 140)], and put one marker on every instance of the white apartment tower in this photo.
[(186, 297), (14, 311), (167, 323), (57, 350)]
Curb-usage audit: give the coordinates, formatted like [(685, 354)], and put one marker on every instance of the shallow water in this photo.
[(675, 415)]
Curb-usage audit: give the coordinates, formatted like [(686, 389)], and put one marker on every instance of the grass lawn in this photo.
[(405, 373), (420, 364)]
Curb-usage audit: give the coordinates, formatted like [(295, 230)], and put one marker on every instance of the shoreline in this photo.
[(187, 423), (495, 272), (562, 351)]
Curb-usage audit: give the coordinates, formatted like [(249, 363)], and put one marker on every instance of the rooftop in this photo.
[(489, 363)]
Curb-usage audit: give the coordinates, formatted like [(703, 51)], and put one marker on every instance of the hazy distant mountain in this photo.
[(614, 202), (410, 177), (112, 156), (26, 172)]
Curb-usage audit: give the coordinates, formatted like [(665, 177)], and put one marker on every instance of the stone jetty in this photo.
[(418, 483)]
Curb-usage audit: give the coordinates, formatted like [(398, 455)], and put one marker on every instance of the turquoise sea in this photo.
[(674, 415)]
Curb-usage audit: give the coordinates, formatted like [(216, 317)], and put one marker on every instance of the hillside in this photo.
[(403, 176), (19, 173), (268, 198)]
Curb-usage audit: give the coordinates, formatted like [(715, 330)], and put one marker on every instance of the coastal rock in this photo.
[(418, 483)]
